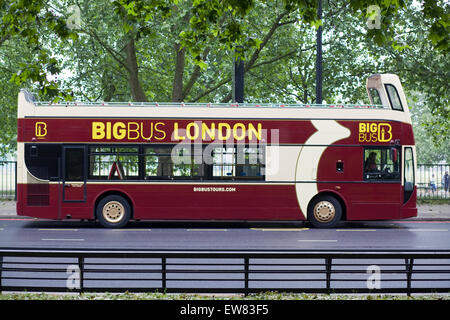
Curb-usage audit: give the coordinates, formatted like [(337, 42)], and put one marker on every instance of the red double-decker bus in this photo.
[(113, 162)]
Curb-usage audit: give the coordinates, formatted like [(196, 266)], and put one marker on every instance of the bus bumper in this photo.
[(408, 213)]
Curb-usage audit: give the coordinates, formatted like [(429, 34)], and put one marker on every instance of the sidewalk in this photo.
[(425, 211), (433, 212)]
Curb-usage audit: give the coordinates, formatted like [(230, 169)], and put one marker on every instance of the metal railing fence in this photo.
[(38, 270), (431, 181), (8, 178)]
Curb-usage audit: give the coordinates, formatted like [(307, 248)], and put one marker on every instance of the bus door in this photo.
[(74, 174), (380, 194)]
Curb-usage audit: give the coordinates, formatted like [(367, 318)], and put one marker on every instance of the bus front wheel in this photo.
[(113, 212), (324, 212)]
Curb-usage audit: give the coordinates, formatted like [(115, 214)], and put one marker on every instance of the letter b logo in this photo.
[(41, 130)]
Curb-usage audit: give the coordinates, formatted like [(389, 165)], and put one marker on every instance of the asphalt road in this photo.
[(364, 236)]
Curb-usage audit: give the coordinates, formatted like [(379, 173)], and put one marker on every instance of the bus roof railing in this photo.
[(208, 105)]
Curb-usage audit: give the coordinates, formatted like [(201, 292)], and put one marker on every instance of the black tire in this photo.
[(113, 212), (324, 212)]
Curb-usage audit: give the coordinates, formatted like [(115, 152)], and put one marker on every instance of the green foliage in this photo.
[(184, 50), (27, 20), (422, 117)]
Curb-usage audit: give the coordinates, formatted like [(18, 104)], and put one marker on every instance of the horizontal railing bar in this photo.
[(288, 264), (37, 289), (207, 105), (287, 254), (33, 278), (252, 279), (32, 270), (242, 279), (228, 290), (91, 279), (220, 279), (225, 255), (387, 272), (38, 263), (218, 270)]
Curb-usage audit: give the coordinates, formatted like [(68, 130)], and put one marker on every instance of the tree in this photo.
[(182, 50), (428, 152)]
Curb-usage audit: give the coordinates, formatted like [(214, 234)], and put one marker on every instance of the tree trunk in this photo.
[(194, 76), (177, 90), (137, 93)]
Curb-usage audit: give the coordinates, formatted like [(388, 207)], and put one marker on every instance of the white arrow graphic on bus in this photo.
[(328, 132)]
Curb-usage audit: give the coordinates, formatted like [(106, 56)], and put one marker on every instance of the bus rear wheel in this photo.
[(113, 212), (324, 212)]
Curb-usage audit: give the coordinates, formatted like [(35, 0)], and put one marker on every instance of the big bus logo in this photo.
[(41, 130), (375, 132)]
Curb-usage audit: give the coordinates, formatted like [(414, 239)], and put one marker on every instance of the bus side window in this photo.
[(113, 163), (394, 98), (375, 96), (74, 164), (42, 160), (381, 163)]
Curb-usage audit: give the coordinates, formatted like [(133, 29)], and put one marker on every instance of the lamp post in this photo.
[(238, 76), (319, 57)]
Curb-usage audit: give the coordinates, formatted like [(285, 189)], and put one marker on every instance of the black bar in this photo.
[(15, 180), (246, 270), (1, 269), (239, 77), (81, 267), (201, 254), (164, 274), (328, 270), (409, 276)]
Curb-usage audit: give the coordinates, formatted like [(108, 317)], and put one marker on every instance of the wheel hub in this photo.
[(113, 211), (324, 211)]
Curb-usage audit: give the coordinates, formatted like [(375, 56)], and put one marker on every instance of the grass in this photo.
[(260, 296), (433, 201)]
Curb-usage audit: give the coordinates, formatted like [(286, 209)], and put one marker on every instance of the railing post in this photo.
[(328, 271), (246, 271), (409, 269), (15, 180), (1, 274), (163, 274), (81, 268)]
